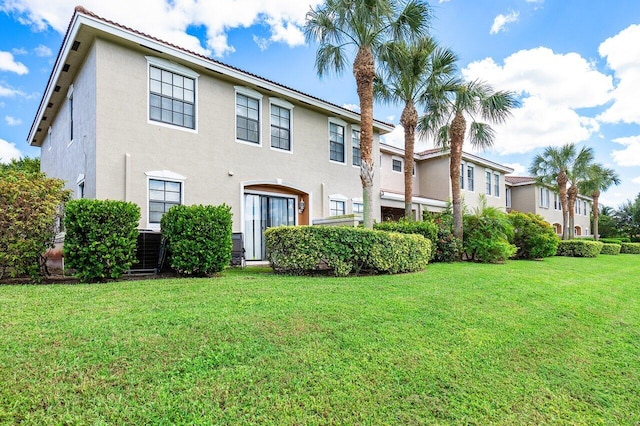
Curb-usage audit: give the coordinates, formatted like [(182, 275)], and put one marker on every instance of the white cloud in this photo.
[(352, 107), (518, 169), (551, 87), (7, 63), (12, 121), (170, 19), (7, 92), (623, 57), (630, 155), (395, 138), (43, 51), (8, 151), (500, 21), (19, 51), (636, 180)]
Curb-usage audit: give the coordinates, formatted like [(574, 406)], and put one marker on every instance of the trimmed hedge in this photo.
[(534, 237), (610, 248), (304, 250), (630, 248), (101, 236), (579, 248), (198, 238), (427, 229)]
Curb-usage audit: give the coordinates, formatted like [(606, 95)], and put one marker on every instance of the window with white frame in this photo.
[(281, 119), (584, 208), (248, 115), (470, 178), (336, 142), (508, 197), (487, 182), (544, 198), (557, 205), (396, 164), (172, 94), (496, 184), (358, 207), (336, 208), (355, 147), (576, 207), (462, 169), (163, 194)]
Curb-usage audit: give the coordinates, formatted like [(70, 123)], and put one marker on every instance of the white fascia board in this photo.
[(385, 195)]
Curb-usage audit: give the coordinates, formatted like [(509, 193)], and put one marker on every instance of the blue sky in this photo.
[(575, 64)]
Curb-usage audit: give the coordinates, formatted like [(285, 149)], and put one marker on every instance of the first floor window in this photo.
[(81, 189), (172, 98), (336, 142), (336, 208), (470, 177), (358, 207), (163, 195), (508, 197), (461, 176), (355, 147)]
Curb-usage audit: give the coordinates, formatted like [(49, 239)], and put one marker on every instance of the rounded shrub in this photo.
[(533, 236), (101, 236), (340, 251), (579, 248), (198, 238), (486, 236), (630, 248), (610, 248)]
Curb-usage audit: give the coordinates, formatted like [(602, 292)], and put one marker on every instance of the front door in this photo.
[(262, 212)]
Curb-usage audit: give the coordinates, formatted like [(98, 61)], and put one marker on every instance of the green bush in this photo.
[(447, 247), (427, 229), (610, 248), (610, 240), (100, 240), (630, 248), (303, 250), (579, 248), (533, 236), (486, 236), (29, 207), (198, 238)]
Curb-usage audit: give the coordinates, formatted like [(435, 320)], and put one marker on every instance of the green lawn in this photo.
[(554, 342)]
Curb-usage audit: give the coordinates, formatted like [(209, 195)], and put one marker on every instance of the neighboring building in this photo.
[(524, 194), (431, 182), (126, 116)]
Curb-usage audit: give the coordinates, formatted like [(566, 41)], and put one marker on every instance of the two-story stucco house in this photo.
[(524, 194), (126, 116), (431, 182)]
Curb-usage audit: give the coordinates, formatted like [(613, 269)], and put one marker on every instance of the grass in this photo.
[(553, 342)]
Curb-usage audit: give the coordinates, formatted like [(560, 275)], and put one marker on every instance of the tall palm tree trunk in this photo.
[(409, 121), (562, 189), (573, 195), (364, 73), (456, 132), (596, 214)]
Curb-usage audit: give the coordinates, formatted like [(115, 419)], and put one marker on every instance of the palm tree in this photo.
[(551, 169), (445, 121), (364, 25), (599, 178), (411, 73), (576, 174)]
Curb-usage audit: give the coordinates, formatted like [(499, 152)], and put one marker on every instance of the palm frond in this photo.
[(481, 135)]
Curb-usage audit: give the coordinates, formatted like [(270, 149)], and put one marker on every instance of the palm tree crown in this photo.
[(599, 178), (362, 26)]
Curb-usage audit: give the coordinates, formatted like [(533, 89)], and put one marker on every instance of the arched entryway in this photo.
[(558, 228), (578, 231), (267, 204)]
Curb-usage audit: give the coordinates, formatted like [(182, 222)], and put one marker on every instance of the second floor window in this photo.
[(396, 165), (247, 118), (355, 147), (496, 185), (470, 177), (488, 182), (544, 198), (336, 143), (171, 98), (280, 128)]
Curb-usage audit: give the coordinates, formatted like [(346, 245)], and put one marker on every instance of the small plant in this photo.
[(579, 248), (533, 236), (486, 235), (101, 236), (198, 238), (609, 248)]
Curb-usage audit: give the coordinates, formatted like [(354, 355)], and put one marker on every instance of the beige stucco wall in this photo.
[(392, 180), (68, 159), (215, 166), (433, 175)]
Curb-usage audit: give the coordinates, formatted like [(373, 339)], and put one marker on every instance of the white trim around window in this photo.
[(166, 176), (80, 188), (355, 128), (253, 95), (179, 70), (281, 103), (343, 125), (394, 160)]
